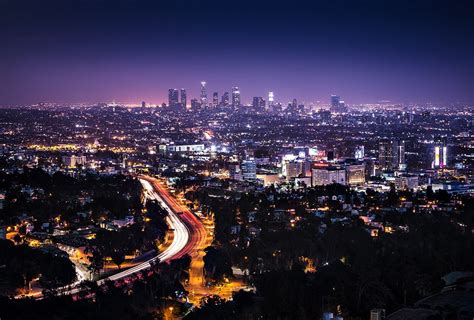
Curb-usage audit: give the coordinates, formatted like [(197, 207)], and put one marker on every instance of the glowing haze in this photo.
[(129, 51)]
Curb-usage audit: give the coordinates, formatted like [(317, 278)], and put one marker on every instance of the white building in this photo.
[(73, 161), (406, 182), (355, 174), (185, 148), (328, 175)]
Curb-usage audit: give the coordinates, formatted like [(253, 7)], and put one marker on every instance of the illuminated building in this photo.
[(406, 182), (203, 94), (235, 173), (293, 169), (181, 148), (328, 175), (235, 97), (258, 103), (225, 99), (215, 99), (195, 104), (172, 97), (392, 154), (359, 153), (271, 99), (249, 169), (73, 161), (337, 105), (355, 174), (440, 156), (183, 98), (335, 102)]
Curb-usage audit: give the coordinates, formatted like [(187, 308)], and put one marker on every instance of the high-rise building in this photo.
[(440, 156), (225, 99), (172, 97), (215, 99), (335, 101), (258, 103), (400, 160), (293, 169), (294, 104), (195, 104), (324, 176), (235, 97), (235, 173), (337, 105), (271, 99), (359, 152), (183, 98), (203, 93), (355, 174), (392, 154), (249, 169), (143, 104)]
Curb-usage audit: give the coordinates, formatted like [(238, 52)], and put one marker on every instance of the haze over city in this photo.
[(368, 51)]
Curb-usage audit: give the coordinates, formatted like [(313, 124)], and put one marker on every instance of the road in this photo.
[(188, 231), (189, 235)]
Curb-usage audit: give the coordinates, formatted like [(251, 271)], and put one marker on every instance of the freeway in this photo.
[(189, 235), (188, 230)]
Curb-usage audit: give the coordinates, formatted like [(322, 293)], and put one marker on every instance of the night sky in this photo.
[(129, 51)]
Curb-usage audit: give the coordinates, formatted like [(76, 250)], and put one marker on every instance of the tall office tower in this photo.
[(249, 169), (271, 98), (215, 99), (337, 105), (143, 104), (386, 155), (235, 97), (225, 99), (400, 161), (440, 159), (294, 104), (195, 104), (359, 152), (203, 93), (392, 154), (355, 173), (342, 106), (172, 97), (335, 102), (258, 103), (183, 98)]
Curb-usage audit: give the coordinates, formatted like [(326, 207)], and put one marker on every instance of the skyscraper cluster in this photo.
[(173, 98), (392, 154)]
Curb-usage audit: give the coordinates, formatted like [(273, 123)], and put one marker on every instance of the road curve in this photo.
[(188, 230), (188, 234)]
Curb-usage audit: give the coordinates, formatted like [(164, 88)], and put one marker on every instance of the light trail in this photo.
[(180, 237), (188, 235)]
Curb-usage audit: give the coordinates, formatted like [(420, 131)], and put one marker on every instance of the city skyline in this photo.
[(123, 51), (207, 159)]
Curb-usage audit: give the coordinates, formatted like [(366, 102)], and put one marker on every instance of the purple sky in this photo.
[(129, 51)]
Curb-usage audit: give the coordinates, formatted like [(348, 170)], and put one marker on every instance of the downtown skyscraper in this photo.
[(172, 97), (183, 97), (203, 96), (235, 97), (225, 99)]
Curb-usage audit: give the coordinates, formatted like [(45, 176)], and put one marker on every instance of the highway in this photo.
[(189, 235), (188, 231)]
